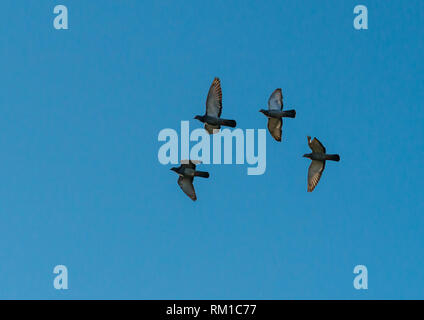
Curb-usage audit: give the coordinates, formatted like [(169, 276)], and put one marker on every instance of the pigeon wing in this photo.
[(275, 101), (316, 145), (274, 127), (214, 100), (186, 184), (314, 174)]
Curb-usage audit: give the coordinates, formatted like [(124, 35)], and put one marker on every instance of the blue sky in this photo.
[(81, 184)]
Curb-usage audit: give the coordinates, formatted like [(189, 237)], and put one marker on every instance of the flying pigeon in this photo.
[(187, 171), (212, 119), (276, 114), (318, 157)]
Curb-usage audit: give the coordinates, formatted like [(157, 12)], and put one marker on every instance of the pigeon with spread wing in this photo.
[(276, 114), (187, 171), (212, 118), (318, 157)]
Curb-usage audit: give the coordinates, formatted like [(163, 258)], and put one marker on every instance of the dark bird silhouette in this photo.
[(212, 119), (318, 157), (187, 171), (276, 114)]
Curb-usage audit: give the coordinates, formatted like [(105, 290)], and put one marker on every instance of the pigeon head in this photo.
[(265, 112), (200, 118), (307, 155), (174, 169)]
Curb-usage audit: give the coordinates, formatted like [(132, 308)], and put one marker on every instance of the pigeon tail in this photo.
[(289, 114), (333, 157), (202, 174), (228, 123)]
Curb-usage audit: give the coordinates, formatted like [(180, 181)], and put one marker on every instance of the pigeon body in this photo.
[(318, 157), (276, 114), (212, 118), (187, 171)]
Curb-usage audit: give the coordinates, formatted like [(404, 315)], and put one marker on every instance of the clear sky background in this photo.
[(81, 185)]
